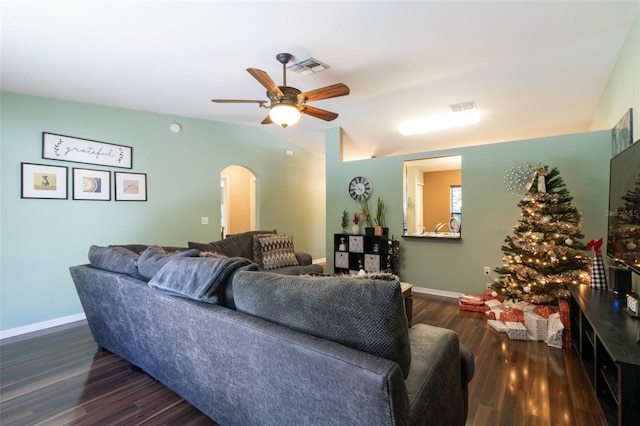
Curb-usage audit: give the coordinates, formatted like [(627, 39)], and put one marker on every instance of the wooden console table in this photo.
[(606, 336)]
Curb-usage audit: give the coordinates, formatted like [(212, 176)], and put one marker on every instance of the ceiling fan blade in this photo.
[(239, 101), (267, 120), (322, 114), (332, 91), (264, 79)]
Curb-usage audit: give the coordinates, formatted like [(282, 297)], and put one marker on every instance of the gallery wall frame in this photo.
[(622, 133), (130, 186), (43, 181), (77, 150), (90, 184)]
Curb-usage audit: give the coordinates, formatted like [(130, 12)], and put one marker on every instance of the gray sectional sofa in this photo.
[(249, 347)]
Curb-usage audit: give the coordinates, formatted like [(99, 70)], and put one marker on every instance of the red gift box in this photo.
[(466, 305), (565, 317), (544, 311), (512, 315)]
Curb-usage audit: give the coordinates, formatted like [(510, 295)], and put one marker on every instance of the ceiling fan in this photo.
[(286, 103)]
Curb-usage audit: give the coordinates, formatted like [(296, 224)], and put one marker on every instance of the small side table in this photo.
[(408, 300)]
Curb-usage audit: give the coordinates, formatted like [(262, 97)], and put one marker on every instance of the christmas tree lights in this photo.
[(545, 253)]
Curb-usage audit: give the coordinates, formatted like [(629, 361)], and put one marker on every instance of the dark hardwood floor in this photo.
[(61, 379)]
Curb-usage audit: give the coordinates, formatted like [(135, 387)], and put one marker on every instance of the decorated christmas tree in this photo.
[(545, 253)]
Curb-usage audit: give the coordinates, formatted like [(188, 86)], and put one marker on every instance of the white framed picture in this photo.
[(130, 186), (43, 181), (89, 184)]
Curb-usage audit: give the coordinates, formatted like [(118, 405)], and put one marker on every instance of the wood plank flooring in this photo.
[(61, 379)]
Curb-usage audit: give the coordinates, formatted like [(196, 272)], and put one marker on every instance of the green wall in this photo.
[(40, 239), (489, 210)]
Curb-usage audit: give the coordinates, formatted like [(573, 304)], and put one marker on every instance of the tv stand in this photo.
[(606, 336)]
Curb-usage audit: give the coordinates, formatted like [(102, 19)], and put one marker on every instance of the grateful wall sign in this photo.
[(76, 150)]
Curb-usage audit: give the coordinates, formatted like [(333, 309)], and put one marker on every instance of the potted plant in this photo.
[(356, 220), (366, 216), (345, 221), (380, 219)]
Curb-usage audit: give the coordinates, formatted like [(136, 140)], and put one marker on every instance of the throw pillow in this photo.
[(154, 258), (244, 241), (257, 250), (228, 248), (115, 259), (277, 251), (364, 314)]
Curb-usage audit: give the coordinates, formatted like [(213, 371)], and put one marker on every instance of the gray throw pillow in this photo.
[(276, 251), (154, 258), (364, 314), (115, 259), (228, 248)]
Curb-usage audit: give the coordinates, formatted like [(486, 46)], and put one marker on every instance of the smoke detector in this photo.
[(307, 66)]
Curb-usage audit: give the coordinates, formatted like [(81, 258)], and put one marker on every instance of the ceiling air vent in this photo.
[(307, 66), (464, 106)]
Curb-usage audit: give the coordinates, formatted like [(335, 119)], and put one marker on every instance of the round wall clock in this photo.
[(360, 188)]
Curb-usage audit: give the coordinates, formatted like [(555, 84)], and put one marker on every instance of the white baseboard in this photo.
[(322, 260), (38, 326), (435, 292)]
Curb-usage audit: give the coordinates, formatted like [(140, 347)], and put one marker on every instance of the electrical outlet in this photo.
[(487, 270)]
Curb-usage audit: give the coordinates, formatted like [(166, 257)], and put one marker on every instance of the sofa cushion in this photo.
[(115, 259), (276, 251), (364, 314), (244, 241), (225, 248), (155, 257)]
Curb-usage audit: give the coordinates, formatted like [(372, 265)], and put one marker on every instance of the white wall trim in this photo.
[(12, 332), (319, 260), (435, 292)]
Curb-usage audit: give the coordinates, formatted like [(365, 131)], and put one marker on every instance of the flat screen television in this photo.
[(623, 229)]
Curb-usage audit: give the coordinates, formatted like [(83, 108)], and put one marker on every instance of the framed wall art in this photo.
[(43, 181), (130, 186), (622, 133), (91, 184), (76, 150)]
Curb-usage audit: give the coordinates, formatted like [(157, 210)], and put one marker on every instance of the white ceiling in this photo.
[(533, 68)]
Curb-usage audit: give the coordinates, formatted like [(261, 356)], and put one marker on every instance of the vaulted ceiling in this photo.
[(533, 69)]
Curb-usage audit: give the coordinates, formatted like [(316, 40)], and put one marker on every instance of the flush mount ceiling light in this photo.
[(461, 115), (284, 114)]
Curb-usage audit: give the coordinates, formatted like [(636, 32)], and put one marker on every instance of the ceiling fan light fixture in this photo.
[(284, 114), (439, 122)]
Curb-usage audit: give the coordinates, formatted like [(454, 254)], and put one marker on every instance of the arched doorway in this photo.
[(238, 200)]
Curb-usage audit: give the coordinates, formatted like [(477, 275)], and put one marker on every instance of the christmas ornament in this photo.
[(568, 241), (526, 289), (631, 246)]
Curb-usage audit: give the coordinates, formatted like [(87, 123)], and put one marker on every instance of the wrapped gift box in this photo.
[(464, 306), (497, 326), (493, 303), (536, 325), (472, 302), (545, 311), (516, 330), (565, 317), (494, 314), (512, 315)]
